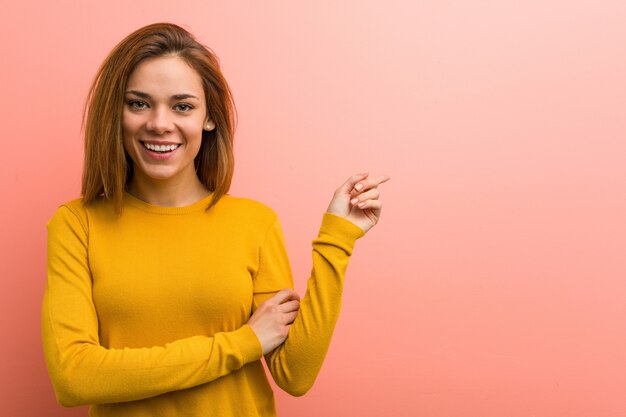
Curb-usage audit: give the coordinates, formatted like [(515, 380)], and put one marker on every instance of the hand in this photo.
[(271, 321), (357, 200)]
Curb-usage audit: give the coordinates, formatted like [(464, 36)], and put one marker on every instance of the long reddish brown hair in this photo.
[(108, 168)]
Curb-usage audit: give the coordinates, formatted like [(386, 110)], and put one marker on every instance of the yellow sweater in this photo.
[(145, 314)]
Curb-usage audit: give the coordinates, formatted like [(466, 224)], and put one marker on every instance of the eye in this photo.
[(183, 107), (137, 104)]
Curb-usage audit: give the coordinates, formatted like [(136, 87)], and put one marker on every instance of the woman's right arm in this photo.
[(84, 372)]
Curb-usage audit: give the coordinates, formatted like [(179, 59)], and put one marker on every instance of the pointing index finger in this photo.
[(381, 179), (370, 183)]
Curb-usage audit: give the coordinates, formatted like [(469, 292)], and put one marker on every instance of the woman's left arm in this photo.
[(354, 209)]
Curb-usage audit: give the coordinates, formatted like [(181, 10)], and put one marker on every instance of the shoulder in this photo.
[(69, 219), (247, 207), (71, 209), (246, 215), (75, 206), (76, 211)]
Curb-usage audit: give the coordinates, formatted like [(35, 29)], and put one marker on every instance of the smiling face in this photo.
[(162, 122)]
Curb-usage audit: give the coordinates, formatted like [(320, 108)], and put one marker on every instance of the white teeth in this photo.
[(160, 148)]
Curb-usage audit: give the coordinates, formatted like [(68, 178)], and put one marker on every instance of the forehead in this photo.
[(168, 75)]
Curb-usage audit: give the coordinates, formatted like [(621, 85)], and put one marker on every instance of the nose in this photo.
[(160, 121)]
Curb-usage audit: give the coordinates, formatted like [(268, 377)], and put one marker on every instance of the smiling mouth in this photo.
[(160, 148)]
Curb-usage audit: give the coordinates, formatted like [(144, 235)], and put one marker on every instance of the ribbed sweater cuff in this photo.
[(340, 230), (251, 349)]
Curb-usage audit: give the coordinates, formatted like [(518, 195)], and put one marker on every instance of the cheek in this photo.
[(128, 124), (129, 130), (193, 131), (126, 140), (128, 148), (129, 144)]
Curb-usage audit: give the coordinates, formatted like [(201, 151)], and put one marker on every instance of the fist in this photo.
[(272, 320)]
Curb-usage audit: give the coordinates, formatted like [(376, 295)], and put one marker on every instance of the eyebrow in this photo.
[(147, 96)]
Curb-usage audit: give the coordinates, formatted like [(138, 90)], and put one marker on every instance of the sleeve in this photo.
[(82, 371), (294, 365)]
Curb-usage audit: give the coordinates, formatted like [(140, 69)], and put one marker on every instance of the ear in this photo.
[(209, 125)]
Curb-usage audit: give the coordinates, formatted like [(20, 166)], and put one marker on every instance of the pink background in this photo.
[(495, 284)]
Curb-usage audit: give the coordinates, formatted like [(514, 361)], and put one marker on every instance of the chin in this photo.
[(159, 175)]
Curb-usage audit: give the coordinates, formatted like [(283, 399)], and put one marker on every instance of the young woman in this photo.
[(164, 292)]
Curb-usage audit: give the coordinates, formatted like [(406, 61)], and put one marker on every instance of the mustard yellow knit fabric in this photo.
[(145, 314)]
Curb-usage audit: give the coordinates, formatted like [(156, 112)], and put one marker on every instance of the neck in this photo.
[(169, 193)]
